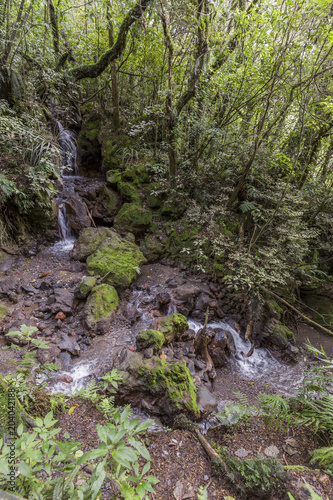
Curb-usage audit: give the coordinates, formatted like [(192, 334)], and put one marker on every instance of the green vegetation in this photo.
[(172, 326), (150, 338)]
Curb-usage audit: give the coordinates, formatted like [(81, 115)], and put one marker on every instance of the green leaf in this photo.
[(143, 426), (140, 448), (24, 469)]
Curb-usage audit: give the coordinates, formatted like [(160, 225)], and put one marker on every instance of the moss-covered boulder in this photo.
[(85, 287), (114, 148), (152, 248), (167, 388), (100, 308), (129, 192), (155, 195), (134, 219), (278, 334), (172, 326), (4, 311), (113, 177), (150, 338), (137, 174), (273, 309), (88, 242), (108, 204), (117, 260)]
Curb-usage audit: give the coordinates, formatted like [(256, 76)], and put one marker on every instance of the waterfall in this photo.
[(67, 141)]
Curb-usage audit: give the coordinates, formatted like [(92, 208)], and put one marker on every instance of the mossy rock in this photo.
[(174, 379), (273, 309), (113, 149), (129, 192), (4, 311), (89, 240), (154, 200), (100, 308), (278, 334), (134, 219), (172, 326), (117, 260), (113, 177), (88, 136), (137, 174), (85, 287), (152, 248), (108, 204), (150, 338)]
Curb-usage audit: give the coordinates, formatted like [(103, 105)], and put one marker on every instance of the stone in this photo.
[(163, 298), (63, 301), (100, 308), (199, 364), (77, 213), (60, 315), (65, 359), (117, 260), (85, 287), (133, 218), (132, 315), (149, 338), (107, 205), (148, 353), (129, 193), (219, 348), (172, 326), (271, 451), (206, 401), (154, 195), (187, 335), (278, 334), (242, 453), (64, 377), (48, 355), (89, 240), (166, 387), (69, 345)]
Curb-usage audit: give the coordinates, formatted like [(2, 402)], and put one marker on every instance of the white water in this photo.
[(67, 141), (261, 365), (81, 374)]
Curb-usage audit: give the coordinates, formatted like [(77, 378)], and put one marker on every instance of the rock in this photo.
[(77, 213), (149, 338), (64, 377), (108, 204), (129, 193), (48, 355), (219, 348), (117, 259), (242, 453), (89, 240), (134, 219), (155, 195), (190, 366), (187, 335), (113, 177), (163, 298), (271, 451), (278, 334), (172, 326), (63, 301), (15, 326), (166, 387), (60, 315), (148, 353), (132, 315), (28, 288), (65, 359), (185, 297), (100, 308), (4, 311), (199, 364), (69, 345), (206, 401), (85, 287)]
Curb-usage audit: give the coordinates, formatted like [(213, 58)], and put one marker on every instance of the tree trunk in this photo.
[(114, 83)]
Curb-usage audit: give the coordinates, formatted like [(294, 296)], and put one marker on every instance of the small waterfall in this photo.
[(67, 141)]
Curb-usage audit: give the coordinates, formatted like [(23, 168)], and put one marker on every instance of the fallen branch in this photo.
[(317, 325)]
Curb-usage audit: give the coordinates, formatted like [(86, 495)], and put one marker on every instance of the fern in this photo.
[(323, 457)]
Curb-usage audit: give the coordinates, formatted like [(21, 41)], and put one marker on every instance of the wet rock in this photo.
[(166, 387), (85, 287), (187, 335), (63, 301), (48, 355), (206, 401), (163, 298), (100, 308), (150, 338), (117, 259), (61, 315), (65, 359), (219, 348), (278, 334), (77, 213), (199, 364), (172, 326), (64, 377), (108, 204), (69, 345), (132, 315)]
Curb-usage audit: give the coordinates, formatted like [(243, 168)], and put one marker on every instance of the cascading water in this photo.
[(67, 141)]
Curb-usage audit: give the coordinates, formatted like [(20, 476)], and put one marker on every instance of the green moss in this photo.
[(113, 177), (129, 192), (113, 150), (150, 338), (89, 240), (133, 218), (280, 335), (137, 174), (274, 310), (175, 378), (151, 248), (172, 326), (101, 304), (154, 200), (85, 287), (117, 260), (109, 203), (4, 311)]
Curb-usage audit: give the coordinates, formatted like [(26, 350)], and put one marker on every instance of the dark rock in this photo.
[(28, 288), (199, 364), (108, 204), (219, 348), (148, 353), (206, 401), (190, 366), (163, 298), (69, 345), (63, 301), (187, 335), (48, 355), (65, 359), (132, 315), (77, 213)]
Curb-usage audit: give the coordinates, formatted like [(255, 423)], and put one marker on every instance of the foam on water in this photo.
[(81, 374)]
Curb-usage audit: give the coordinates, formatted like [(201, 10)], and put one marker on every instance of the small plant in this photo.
[(25, 335), (234, 413), (314, 495)]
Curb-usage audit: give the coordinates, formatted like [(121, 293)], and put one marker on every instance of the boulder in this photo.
[(77, 213), (134, 219), (278, 334), (149, 338), (113, 177), (164, 388), (85, 287), (88, 242), (69, 345), (100, 308), (108, 204), (137, 174), (220, 348), (206, 402), (129, 192), (117, 259), (172, 326), (132, 314), (154, 195)]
